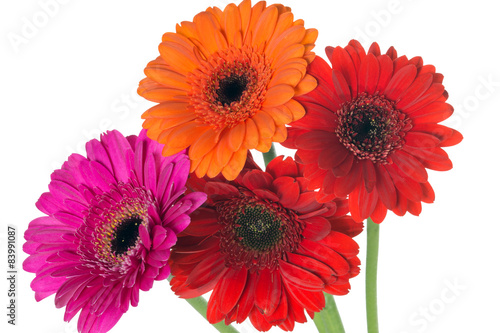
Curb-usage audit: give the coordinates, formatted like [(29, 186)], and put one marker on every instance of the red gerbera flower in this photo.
[(266, 248), (371, 130)]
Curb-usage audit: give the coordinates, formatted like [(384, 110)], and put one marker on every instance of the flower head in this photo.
[(227, 83), (111, 219), (266, 247), (371, 130)]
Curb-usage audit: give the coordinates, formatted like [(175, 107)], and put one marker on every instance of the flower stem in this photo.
[(200, 305), (270, 155), (328, 320), (371, 275)]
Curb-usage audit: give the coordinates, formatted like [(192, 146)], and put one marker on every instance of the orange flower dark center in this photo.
[(372, 127), (229, 87), (256, 233)]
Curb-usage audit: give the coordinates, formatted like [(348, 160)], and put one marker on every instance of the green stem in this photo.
[(201, 305), (371, 275), (270, 155), (328, 320)]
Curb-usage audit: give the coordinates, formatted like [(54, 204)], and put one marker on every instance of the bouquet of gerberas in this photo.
[(185, 198)]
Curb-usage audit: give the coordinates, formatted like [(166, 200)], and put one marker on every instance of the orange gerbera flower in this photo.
[(226, 83)]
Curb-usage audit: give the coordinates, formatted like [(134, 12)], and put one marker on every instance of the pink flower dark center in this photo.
[(110, 232), (371, 127), (126, 235), (256, 233)]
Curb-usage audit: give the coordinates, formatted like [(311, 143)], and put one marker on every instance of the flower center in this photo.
[(229, 87), (371, 127), (258, 228), (110, 232), (256, 233), (126, 234)]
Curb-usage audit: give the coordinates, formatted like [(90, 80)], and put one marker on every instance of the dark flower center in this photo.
[(371, 127), (231, 89), (258, 228), (110, 233), (126, 235), (256, 233)]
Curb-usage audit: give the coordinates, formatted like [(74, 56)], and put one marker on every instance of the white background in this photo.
[(74, 75)]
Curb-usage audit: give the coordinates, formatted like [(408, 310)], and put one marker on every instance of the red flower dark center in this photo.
[(256, 233), (257, 228), (229, 87), (371, 127)]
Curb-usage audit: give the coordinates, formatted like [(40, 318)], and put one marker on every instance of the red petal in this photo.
[(317, 227), (234, 281), (280, 167), (315, 140), (341, 243), (434, 112), (410, 166), (343, 168), (368, 74), (300, 277), (345, 185), (312, 265), (324, 254), (287, 190), (401, 80), (268, 291), (415, 91), (369, 175), (386, 68), (421, 140), (385, 187), (342, 62), (247, 299)]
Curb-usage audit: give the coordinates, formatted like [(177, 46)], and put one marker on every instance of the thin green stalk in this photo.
[(371, 275), (270, 155), (201, 305), (328, 320)]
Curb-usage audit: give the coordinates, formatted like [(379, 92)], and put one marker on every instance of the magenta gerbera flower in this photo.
[(111, 220)]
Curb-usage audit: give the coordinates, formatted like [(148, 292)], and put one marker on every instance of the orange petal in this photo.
[(285, 21), (167, 77), (184, 135), (205, 143), (168, 110), (252, 134), (155, 92), (296, 109), (236, 136), (280, 114), (278, 95), (183, 58), (265, 25), (222, 152), (204, 165), (289, 76), (307, 84), (291, 36), (310, 37), (265, 124), (279, 134), (293, 51), (235, 165), (232, 23)]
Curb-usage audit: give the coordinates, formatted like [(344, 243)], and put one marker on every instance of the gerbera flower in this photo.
[(111, 220), (227, 83), (266, 248), (371, 130)]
